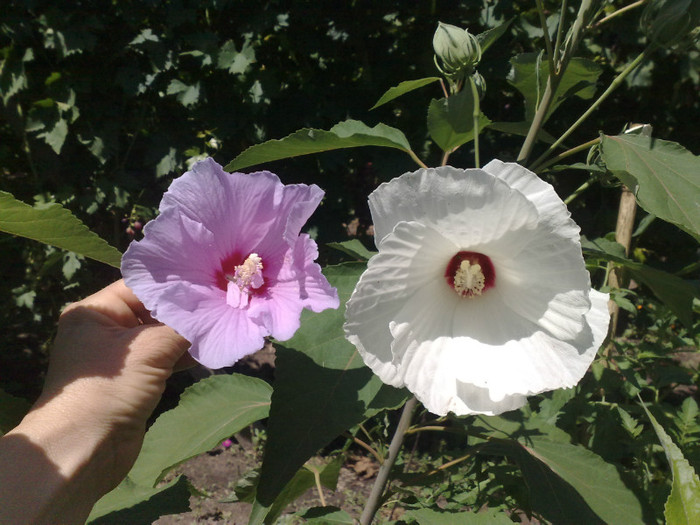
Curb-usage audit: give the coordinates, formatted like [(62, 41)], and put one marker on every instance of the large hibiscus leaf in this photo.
[(56, 226), (322, 388), (667, 176), (208, 412), (132, 503), (567, 483), (347, 134), (683, 503)]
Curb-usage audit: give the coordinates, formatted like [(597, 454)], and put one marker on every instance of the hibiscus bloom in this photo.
[(224, 264), (479, 295)]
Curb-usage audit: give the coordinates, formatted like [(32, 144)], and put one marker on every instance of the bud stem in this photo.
[(612, 87), (475, 115)]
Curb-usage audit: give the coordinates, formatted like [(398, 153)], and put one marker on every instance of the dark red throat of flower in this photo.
[(470, 274)]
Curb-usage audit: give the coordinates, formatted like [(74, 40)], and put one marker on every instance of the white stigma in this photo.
[(469, 279), (249, 274)]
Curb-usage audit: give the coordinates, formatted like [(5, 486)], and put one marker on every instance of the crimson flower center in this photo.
[(470, 274)]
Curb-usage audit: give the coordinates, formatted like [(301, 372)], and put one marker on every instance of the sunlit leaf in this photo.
[(208, 412), (319, 377), (683, 504), (403, 88), (667, 176), (451, 120), (347, 134), (56, 226), (132, 503)]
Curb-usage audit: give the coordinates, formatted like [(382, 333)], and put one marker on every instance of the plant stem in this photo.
[(547, 40), (374, 499), (612, 87), (553, 82), (565, 154), (560, 32), (475, 116), (416, 159), (578, 191), (619, 12)]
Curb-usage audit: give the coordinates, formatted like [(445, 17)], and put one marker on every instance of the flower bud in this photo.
[(480, 84), (668, 22), (457, 51)]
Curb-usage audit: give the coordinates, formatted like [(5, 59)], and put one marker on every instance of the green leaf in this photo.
[(185, 95), (488, 37), (326, 516), (56, 226), (236, 62), (208, 412), (403, 88), (451, 120), (673, 291), (437, 517), (136, 504), (683, 504), (56, 136), (12, 410), (529, 74), (354, 248), (347, 134), (667, 176), (319, 377), (597, 482)]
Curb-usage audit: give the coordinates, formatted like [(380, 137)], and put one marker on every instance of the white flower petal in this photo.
[(406, 262), (471, 207), (551, 208)]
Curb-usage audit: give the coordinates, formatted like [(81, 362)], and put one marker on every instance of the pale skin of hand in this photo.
[(107, 371)]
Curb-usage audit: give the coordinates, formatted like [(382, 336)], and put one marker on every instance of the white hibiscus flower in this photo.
[(479, 295)]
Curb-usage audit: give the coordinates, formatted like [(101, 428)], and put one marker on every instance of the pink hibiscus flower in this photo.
[(224, 263)]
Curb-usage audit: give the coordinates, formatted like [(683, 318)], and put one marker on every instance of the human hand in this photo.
[(106, 374)]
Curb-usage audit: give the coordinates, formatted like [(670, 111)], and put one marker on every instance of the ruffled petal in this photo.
[(471, 207), (551, 208)]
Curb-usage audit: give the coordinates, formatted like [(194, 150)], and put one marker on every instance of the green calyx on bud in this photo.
[(669, 23), (480, 84), (457, 52)]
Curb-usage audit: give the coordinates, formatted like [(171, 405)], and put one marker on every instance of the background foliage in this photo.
[(102, 107)]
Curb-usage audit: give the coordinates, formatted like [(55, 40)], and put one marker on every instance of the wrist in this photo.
[(53, 468)]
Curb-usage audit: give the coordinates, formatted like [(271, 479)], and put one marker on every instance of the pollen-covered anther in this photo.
[(249, 274), (469, 279)]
